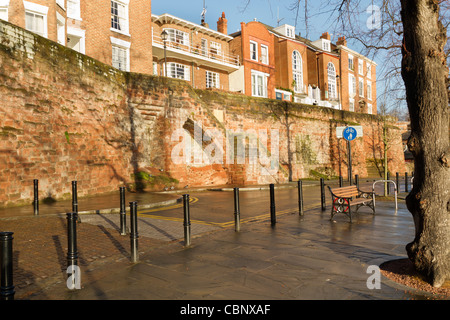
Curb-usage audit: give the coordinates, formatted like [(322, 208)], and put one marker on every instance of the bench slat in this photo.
[(345, 193)]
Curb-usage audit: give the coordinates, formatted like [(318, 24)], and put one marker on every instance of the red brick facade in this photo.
[(314, 72), (259, 60), (194, 52), (86, 26), (255, 46), (363, 96)]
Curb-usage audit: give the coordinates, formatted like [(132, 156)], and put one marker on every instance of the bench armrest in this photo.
[(365, 194)]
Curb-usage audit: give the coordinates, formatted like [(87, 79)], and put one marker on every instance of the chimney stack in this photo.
[(326, 36), (342, 41), (222, 24)]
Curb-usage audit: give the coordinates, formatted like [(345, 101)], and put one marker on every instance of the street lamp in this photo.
[(164, 36)]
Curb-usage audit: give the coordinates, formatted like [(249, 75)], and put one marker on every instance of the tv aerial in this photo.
[(278, 17)]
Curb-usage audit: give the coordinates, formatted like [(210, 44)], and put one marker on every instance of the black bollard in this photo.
[(397, 179), (322, 193), (300, 197), (123, 217), (341, 182), (134, 232), (74, 197), (273, 218), (72, 252), (36, 196), (357, 180), (187, 221), (6, 255), (406, 181), (388, 177), (237, 214)]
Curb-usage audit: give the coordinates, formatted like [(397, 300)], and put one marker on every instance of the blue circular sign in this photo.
[(349, 133)]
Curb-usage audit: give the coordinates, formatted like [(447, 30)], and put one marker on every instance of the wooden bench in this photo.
[(344, 198)]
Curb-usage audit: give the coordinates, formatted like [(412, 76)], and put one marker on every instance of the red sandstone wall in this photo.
[(64, 117)]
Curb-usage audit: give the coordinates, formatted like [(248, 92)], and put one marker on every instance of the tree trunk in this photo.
[(424, 72)]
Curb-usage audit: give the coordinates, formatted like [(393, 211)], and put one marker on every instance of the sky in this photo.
[(266, 11), (271, 12)]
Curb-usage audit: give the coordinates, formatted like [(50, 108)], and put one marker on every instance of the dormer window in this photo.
[(286, 30), (326, 45), (290, 32), (323, 44)]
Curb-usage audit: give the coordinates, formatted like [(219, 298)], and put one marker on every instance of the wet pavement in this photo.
[(106, 203), (301, 257)]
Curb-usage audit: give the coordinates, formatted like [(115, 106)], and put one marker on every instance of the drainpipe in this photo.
[(193, 78)]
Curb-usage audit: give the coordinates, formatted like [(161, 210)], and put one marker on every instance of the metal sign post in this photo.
[(349, 134)]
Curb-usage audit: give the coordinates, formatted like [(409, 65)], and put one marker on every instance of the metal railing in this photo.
[(211, 54), (395, 191)]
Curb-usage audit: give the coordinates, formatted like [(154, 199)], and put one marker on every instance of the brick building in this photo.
[(291, 63), (277, 63), (259, 60), (193, 52), (254, 44), (358, 81), (116, 32)]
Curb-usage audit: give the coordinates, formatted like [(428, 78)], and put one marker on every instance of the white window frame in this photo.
[(204, 47), (4, 4), (369, 108), (73, 9), (351, 85), (361, 87), (351, 62), (326, 45), (264, 57), (253, 50), (80, 34), (215, 48), (351, 105), (259, 83), (61, 29), (177, 36), (4, 13), (290, 32), (283, 95), (332, 87), (61, 3), (212, 80), (123, 21), (120, 44), (369, 70), (369, 90), (174, 71), (37, 10), (360, 67), (297, 71)]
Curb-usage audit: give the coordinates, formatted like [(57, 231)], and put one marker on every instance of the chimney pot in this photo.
[(222, 24)]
